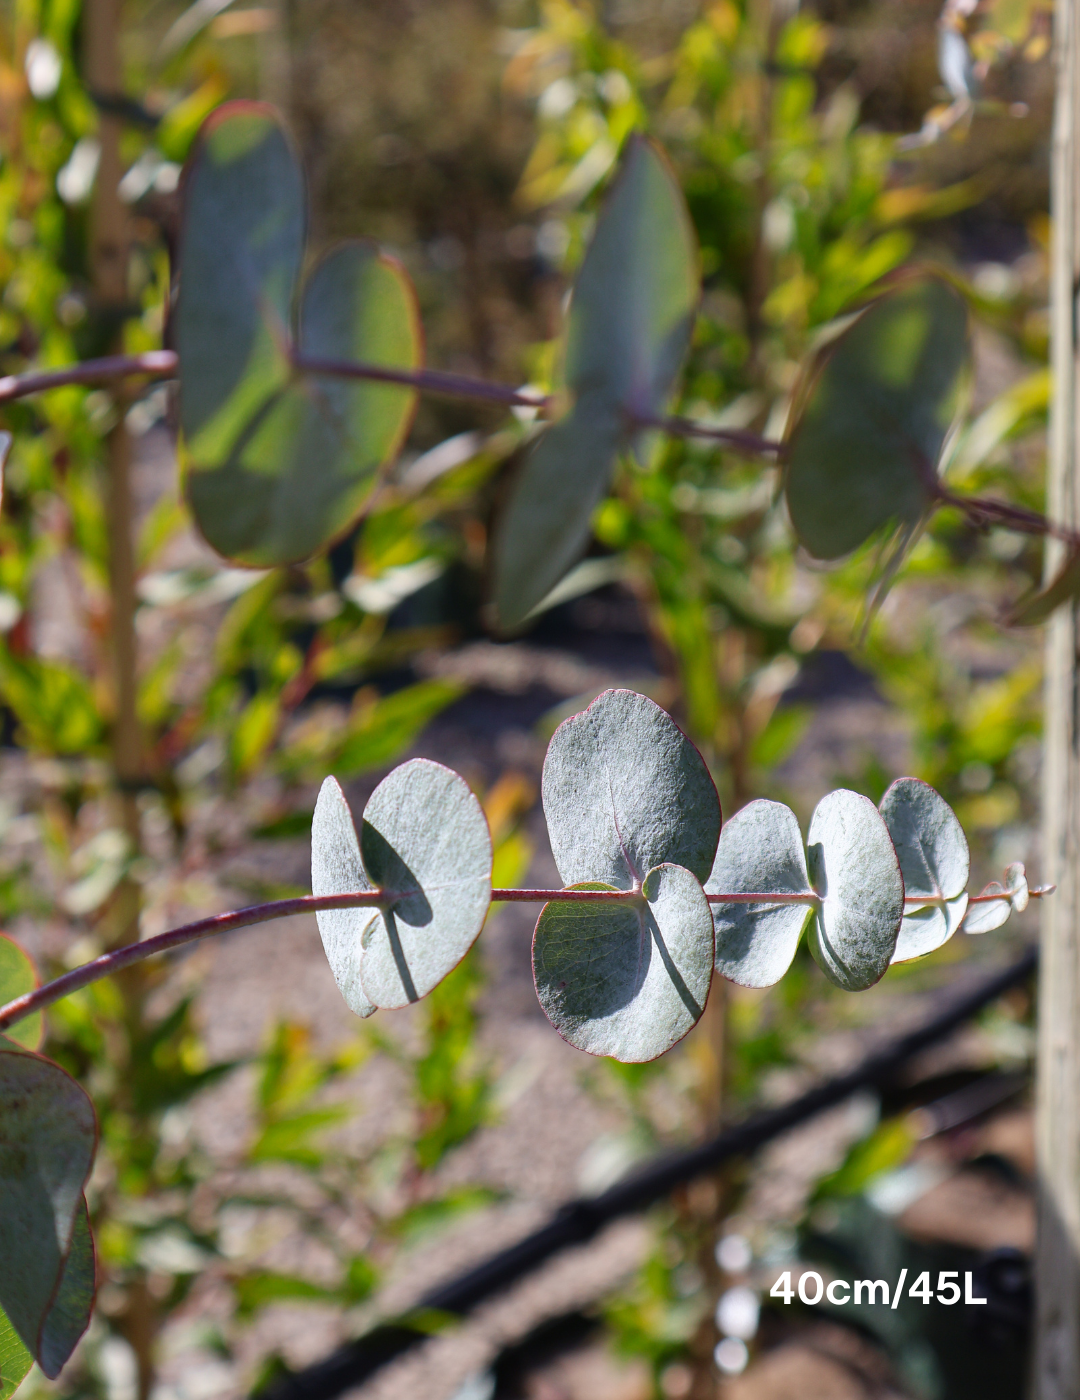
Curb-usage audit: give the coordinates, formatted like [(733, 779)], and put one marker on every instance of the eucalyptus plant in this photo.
[(295, 393), (658, 894)]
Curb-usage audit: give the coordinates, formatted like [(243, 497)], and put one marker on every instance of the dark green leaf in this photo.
[(866, 440), (279, 462), (628, 331), (47, 1139)]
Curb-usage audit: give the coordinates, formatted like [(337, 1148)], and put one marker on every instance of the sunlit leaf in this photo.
[(868, 433), (336, 868), (425, 842), (933, 854), (760, 851), (15, 1360), (629, 978), (47, 1139), (854, 868), (425, 838), (992, 909), (17, 977), (624, 790), (279, 461)]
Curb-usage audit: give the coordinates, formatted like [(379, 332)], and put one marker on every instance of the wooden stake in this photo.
[(1056, 1358)]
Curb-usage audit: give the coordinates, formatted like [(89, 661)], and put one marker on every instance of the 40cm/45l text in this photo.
[(812, 1289)]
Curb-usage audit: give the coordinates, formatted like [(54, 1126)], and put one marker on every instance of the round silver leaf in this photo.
[(854, 869), (336, 868), (425, 841), (933, 854), (760, 850), (625, 790), (630, 978)]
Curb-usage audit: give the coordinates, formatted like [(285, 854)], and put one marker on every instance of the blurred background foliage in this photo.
[(473, 138)]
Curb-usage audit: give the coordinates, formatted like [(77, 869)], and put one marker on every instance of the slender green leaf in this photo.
[(760, 851), (855, 871), (627, 979), (561, 481), (625, 790), (17, 977), (47, 1139), (1064, 587), (866, 442), (933, 854), (15, 1360), (628, 331)]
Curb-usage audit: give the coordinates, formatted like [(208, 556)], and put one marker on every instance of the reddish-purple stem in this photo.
[(156, 364)]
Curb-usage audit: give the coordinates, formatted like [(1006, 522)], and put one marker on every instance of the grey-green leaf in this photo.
[(310, 459), (855, 871), (17, 977), (637, 293), (47, 1139), (69, 1316), (933, 854), (867, 436), (241, 245), (628, 330), (279, 462), (425, 839), (336, 868), (562, 479), (625, 790), (993, 910), (760, 851), (630, 978)]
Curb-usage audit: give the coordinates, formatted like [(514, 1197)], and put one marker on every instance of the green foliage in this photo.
[(875, 417), (17, 977), (253, 430)]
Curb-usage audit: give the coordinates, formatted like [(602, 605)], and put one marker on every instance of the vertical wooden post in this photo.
[(1056, 1358)]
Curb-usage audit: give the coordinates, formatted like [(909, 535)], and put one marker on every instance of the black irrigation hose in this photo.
[(579, 1220)]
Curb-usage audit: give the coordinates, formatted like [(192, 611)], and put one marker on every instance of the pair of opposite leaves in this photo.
[(630, 806), (48, 1135), (281, 461)]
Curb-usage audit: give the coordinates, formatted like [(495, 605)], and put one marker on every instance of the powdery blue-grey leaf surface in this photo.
[(933, 854), (854, 869), (625, 790), (425, 838), (47, 1138), (336, 868), (69, 1316), (990, 912), (630, 978), (760, 851)]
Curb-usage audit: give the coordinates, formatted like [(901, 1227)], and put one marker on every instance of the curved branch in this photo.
[(156, 364)]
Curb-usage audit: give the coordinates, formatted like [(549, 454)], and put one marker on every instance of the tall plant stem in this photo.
[(1056, 1368)]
